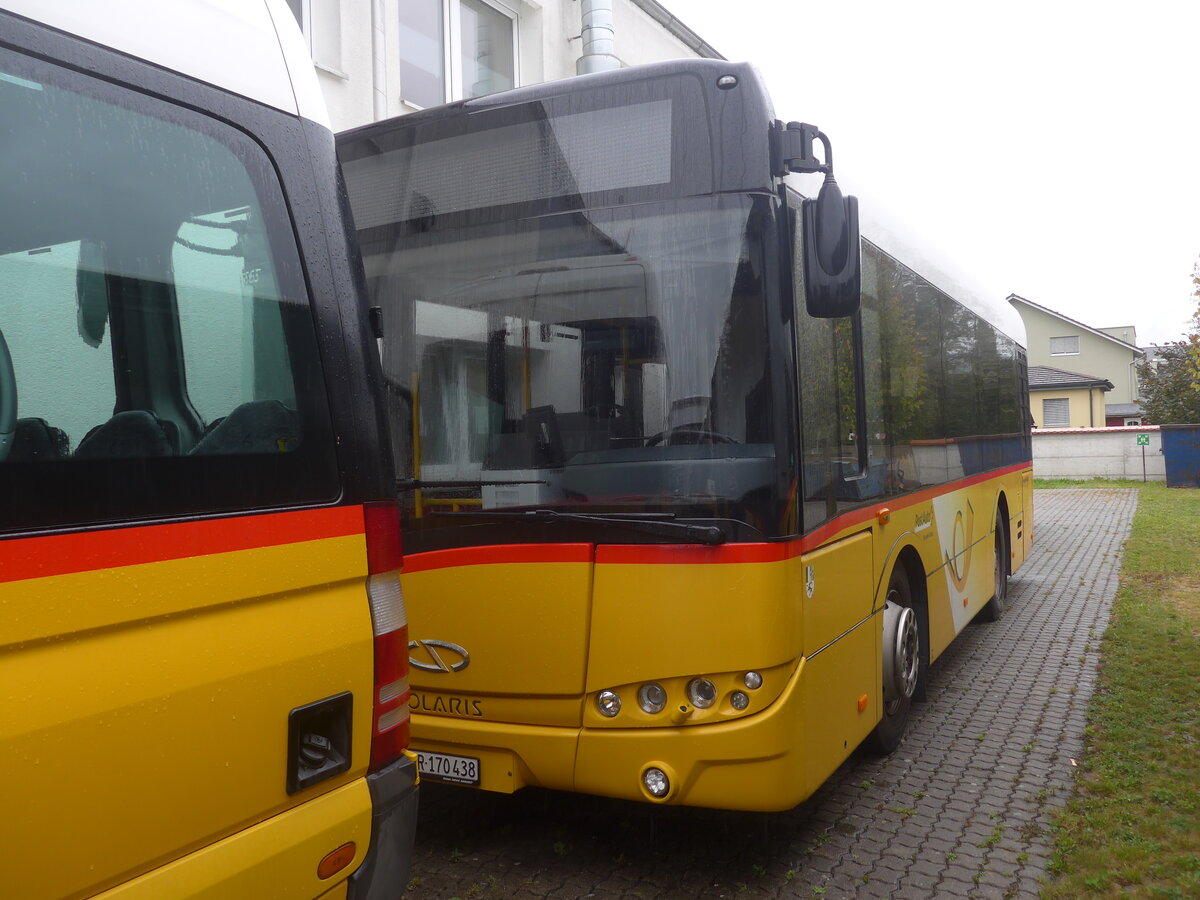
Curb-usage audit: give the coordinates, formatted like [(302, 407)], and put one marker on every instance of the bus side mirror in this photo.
[(832, 264)]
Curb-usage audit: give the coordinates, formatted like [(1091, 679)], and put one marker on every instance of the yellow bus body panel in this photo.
[(664, 620), (273, 859), (145, 713), (525, 626), (665, 614)]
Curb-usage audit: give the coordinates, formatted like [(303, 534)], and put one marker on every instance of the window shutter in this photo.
[(1056, 413)]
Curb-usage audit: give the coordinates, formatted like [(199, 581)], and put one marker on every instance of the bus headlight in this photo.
[(656, 782), (702, 693), (609, 703), (752, 680), (738, 700), (652, 698)]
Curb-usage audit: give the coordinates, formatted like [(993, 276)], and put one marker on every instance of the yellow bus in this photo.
[(203, 675), (693, 490)]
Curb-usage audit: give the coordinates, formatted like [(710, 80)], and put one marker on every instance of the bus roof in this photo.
[(253, 49)]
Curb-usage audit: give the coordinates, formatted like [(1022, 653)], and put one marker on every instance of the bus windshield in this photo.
[(609, 360)]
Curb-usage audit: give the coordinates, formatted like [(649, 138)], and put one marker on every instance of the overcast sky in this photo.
[(1049, 149)]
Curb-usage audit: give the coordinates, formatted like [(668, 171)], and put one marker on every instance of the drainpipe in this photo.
[(378, 67), (598, 44)]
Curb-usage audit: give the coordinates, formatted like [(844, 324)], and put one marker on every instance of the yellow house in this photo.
[(1061, 399)]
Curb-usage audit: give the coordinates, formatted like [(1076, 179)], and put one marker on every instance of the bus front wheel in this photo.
[(901, 664)]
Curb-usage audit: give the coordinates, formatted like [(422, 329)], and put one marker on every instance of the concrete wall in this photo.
[(1097, 453)]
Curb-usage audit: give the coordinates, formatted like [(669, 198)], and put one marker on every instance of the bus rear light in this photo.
[(389, 692), (389, 622), (387, 603)]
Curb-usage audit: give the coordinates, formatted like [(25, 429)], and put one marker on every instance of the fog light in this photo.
[(609, 703), (656, 782), (702, 693), (652, 698), (752, 680), (739, 700)]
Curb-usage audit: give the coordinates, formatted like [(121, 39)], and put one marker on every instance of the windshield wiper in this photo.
[(649, 523), (415, 484)]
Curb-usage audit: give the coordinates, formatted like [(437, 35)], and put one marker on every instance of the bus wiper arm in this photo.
[(415, 484), (647, 523), (698, 534)]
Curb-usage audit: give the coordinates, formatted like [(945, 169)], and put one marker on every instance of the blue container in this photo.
[(1181, 452)]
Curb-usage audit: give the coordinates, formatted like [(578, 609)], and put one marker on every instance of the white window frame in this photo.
[(326, 52), (1067, 338), (1063, 412), (452, 48)]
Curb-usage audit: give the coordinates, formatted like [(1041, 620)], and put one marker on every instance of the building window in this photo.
[(1056, 413), (1064, 346), (455, 49), (321, 22)]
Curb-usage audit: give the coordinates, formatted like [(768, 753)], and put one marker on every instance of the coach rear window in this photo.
[(158, 354)]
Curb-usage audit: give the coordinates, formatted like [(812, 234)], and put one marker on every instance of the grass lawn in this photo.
[(1132, 828)]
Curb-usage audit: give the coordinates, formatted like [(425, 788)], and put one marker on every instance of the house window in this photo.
[(455, 49), (1064, 346), (1056, 413), (321, 22)]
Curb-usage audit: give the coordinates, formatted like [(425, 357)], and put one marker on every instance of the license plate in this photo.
[(444, 767)]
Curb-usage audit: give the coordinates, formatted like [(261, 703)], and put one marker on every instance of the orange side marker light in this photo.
[(336, 861), (862, 703), (884, 515)]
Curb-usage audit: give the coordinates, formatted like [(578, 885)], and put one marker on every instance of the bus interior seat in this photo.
[(35, 440), (130, 434), (260, 426)]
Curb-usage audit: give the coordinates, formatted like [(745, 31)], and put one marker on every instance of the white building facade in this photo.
[(382, 58)]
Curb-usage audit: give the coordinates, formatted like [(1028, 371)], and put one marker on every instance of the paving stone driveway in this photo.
[(960, 810)]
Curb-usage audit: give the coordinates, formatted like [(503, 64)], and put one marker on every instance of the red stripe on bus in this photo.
[(689, 554), (497, 553), (816, 538), (85, 551)]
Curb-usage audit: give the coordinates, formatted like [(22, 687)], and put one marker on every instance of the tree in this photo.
[(1193, 338), (1170, 394)]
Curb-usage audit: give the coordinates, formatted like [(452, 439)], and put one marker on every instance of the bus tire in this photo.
[(994, 610), (902, 664)]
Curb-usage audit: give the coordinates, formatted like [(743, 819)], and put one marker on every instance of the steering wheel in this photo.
[(690, 434), (8, 400)]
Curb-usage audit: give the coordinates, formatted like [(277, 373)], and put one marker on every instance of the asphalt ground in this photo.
[(961, 809)]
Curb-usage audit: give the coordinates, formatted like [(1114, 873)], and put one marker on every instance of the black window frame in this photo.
[(346, 456)]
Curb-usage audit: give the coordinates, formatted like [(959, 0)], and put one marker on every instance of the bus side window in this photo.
[(230, 316), (64, 384), (831, 475)]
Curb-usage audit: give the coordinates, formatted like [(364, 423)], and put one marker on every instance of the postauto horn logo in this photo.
[(437, 656)]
